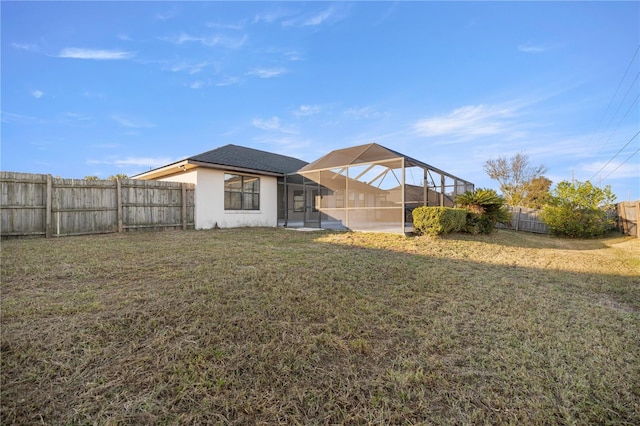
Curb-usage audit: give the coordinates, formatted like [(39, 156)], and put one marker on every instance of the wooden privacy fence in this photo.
[(628, 217), (32, 204), (525, 219)]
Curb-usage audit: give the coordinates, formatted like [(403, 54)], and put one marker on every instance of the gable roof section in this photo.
[(249, 158), (232, 158), (368, 153)]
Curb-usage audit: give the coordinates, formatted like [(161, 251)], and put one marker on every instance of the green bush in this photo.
[(438, 220), (485, 209), (579, 210)]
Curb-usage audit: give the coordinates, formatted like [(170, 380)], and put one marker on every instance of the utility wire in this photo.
[(612, 158), (620, 165), (615, 93)]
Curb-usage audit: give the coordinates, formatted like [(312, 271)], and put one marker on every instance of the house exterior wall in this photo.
[(209, 196)]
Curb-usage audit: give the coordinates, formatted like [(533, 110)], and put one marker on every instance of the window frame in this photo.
[(248, 188)]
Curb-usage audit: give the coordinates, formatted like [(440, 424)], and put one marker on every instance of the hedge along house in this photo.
[(363, 188), (373, 188), (235, 186)]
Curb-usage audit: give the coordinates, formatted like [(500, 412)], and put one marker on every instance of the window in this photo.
[(241, 192), (298, 201)]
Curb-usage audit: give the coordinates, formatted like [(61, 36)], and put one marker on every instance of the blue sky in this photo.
[(101, 88)]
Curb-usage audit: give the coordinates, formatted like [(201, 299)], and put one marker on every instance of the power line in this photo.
[(612, 158), (614, 95), (620, 165)]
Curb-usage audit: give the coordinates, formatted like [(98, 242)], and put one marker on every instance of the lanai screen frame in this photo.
[(358, 188)]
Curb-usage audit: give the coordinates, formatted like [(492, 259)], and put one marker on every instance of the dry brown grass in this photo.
[(264, 326)]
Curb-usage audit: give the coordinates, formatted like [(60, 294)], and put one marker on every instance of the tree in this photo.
[(486, 209), (579, 210), (91, 178), (536, 193), (513, 174), (118, 176)]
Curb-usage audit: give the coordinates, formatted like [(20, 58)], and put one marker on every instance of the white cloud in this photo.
[(198, 84), (319, 17), (170, 14), (470, 120), (134, 161), (26, 46), (132, 123), (124, 37), (306, 110), (188, 68), (222, 26), (618, 170), (37, 93), (272, 16), (97, 54), (531, 47), (267, 72), (271, 124), (330, 15), (209, 41), (76, 116), (362, 113), (228, 81)]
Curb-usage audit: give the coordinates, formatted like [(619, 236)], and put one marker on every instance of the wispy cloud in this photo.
[(362, 113), (124, 37), (330, 15), (219, 40), (8, 117), (132, 123), (273, 15), (134, 161), (198, 84), (219, 25), (96, 54), (37, 94), (189, 68), (26, 46), (168, 14), (468, 121), (228, 81), (319, 17), (267, 72), (617, 169), (531, 47), (77, 117), (293, 56), (271, 124), (307, 110)]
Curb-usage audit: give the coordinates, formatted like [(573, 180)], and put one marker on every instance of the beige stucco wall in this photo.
[(209, 196)]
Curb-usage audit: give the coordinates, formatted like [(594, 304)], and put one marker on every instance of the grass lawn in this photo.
[(267, 326)]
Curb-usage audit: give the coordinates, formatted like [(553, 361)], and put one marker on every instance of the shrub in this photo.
[(579, 210), (485, 209), (438, 220)]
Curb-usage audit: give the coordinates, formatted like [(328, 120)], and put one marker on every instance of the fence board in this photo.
[(628, 213), (527, 220), (40, 205)]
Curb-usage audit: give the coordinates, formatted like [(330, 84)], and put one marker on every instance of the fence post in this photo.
[(518, 219), (637, 206), (119, 203), (47, 209), (184, 206)]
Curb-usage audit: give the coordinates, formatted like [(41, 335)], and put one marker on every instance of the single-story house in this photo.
[(360, 188)]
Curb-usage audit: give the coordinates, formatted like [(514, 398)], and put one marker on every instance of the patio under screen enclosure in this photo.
[(364, 188)]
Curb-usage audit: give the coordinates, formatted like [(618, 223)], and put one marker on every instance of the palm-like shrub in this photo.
[(486, 209)]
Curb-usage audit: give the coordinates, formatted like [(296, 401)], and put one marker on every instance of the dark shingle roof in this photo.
[(249, 158)]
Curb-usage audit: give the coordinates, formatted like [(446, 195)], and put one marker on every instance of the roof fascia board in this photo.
[(233, 168)]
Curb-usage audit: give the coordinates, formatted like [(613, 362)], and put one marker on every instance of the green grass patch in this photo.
[(252, 326)]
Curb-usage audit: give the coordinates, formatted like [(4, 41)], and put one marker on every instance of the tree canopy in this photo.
[(521, 183)]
